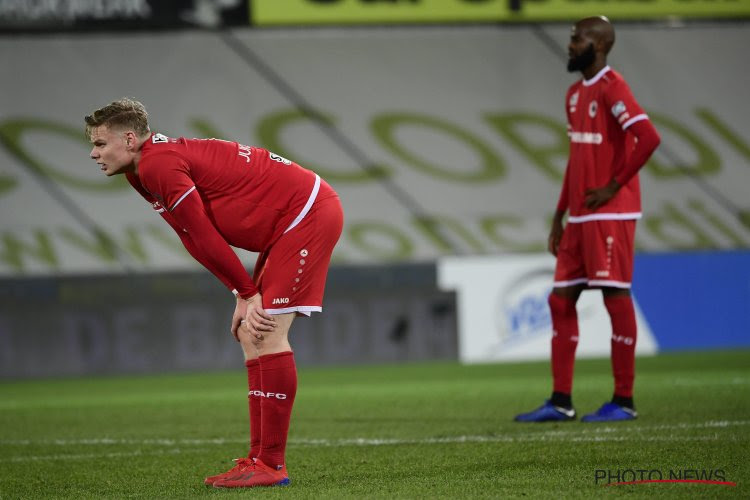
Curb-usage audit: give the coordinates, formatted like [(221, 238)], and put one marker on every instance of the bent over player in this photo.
[(611, 138), (217, 193)]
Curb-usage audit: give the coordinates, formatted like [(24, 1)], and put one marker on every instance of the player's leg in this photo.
[(570, 279), (272, 392), (252, 366), (619, 304), (253, 373), (278, 373), (615, 280), (291, 284), (562, 304)]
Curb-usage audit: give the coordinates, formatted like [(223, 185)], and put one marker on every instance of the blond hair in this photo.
[(123, 113)]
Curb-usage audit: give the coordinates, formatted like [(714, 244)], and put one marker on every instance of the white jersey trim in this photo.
[(305, 310), (610, 283), (307, 206), (636, 118), (619, 216), (563, 284), (578, 281), (182, 198), (596, 77)]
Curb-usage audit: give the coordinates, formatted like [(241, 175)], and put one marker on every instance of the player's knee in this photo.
[(560, 306), (270, 342)]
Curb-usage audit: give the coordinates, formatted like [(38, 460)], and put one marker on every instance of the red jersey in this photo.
[(599, 112), (250, 196)]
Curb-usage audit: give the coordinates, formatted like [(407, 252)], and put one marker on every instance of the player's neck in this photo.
[(137, 155), (593, 69)]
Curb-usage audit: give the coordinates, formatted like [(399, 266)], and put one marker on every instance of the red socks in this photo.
[(624, 333), (253, 386), (564, 341), (279, 386)]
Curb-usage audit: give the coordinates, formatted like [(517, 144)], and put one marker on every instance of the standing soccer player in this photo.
[(611, 138), (217, 193)]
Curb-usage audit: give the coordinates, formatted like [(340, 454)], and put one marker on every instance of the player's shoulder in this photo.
[(575, 86), (612, 79), (160, 150), (160, 144)]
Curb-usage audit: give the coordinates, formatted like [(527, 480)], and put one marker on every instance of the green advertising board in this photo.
[(560, 10), (359, 12)]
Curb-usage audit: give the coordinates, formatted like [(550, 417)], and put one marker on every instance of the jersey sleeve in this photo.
[(562, 201), (647, 140), (209, 248), (167, 177), (193, 250), (633, 120), (622, 105)]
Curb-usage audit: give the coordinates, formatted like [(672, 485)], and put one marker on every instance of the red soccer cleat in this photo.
[(257, 474), (240, 464)]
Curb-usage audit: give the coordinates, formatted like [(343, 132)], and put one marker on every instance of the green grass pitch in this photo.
[(425, 430)]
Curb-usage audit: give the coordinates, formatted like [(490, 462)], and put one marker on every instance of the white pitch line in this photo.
[(563, 434), (496, 439), (89, 456), (593, 434), (383, 442)]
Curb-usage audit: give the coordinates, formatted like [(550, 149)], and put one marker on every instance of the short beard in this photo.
[(583, 60)]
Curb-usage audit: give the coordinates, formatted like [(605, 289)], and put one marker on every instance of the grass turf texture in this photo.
[(428, 430)]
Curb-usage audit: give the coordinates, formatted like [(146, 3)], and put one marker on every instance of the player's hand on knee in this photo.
[(257, 318), (240, 311)]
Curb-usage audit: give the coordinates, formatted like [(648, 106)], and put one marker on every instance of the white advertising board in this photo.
[(503, 313)]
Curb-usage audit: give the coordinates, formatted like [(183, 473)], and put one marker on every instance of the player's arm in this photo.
[(556, 231), (183, 235), (647, 140), (208, 247), (167, 176), (633, 120), (190, 246)]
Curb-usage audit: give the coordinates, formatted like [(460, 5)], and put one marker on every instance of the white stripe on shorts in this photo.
[(307, 206), (306, 310)]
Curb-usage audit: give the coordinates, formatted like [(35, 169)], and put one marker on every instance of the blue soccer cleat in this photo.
[(611, 412), (547, 413)]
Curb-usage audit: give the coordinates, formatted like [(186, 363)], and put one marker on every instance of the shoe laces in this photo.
[(243, 463)]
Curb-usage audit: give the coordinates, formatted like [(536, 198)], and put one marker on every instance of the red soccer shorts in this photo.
[(291, 275), (597, 253)]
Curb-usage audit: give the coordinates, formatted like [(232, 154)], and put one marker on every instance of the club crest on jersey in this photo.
[(573, 102), (593, 106), (159, 138), (157, 206)]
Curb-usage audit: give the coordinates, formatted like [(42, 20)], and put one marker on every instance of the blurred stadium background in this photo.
[(440, 123)]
